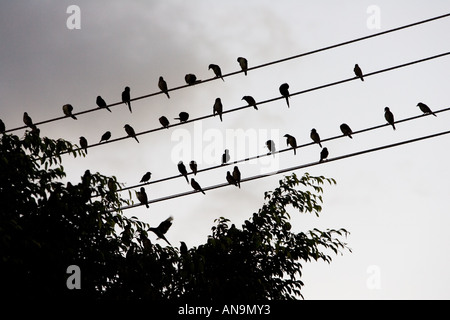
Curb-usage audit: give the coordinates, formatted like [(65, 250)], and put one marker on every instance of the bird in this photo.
[(27, 120), (146, 177), (102, 104), (425, 109), (2, 126), (126, 98), (315, 137), (183, 248), (106, 136), (112, 185), (217, 70), (357, 70), (161, 230), (130, 131), (271, 146), (196, 186), (346, 130), (142, 196), (182, 170), (164, 122), (225, 156), (323, 154), (83, 143), (389, 116), (182, 116), (191, 79), (162, 84), (237, 175), (290, 141), (231, 179), (67, 109), (217, 108), (284, 90), (193, 166), (251, 101), (243, 63)]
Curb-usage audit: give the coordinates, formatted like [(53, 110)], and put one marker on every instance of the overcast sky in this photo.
[(394, 202)]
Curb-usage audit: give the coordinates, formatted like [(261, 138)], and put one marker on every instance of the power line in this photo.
[(251, 68), (303, 166)]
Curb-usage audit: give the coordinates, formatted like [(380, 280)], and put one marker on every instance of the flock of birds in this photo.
[(233, 178)]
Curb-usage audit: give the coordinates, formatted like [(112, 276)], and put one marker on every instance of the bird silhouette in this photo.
[(146, 177), (162, 229), (218, 108), (193, 166), (126, 98), (217, 70), (231, 179), (191, 79), (83, 143), (106, 136), (2, 126), (251, 101), (196, 186), (183, 248), (142, 196), (27, 120), (225, 156), (323, 154), (315, 137), (243, 63), (130, 131), (271, 146), (182, 170), (112, 185), (102, 104), (183, 116), (162, 84), (346, 130), (284, 90), (67, 109), (164, 122), (425, 109), (358, 72), (291, 141), (389, 116), (237, 176)]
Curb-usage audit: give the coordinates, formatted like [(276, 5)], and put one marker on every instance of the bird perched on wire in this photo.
[(389, 116), (237, 176), (183, 116), (164, 122), (102, 103), (83, 143), (270, 144), (323, 154), (346, 130), (130, 131), (27, 120), (106, 136), (146, 177), (231, 179), (251, 101), (191, 79), (162, 84), (193, 166), (2, 126), (425, 109), (315, 137), (142, 196), (196, 186), (182, 170), (291, 141), (284, 90), (217, 70), (67, 109), (243, 63), (218, 108), (126, 98), (162, 229), (358, 72), (225, 156)]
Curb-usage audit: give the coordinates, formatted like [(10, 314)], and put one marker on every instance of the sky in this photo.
[(393, 202)]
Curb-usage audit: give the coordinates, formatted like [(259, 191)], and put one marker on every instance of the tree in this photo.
[(47, 226)]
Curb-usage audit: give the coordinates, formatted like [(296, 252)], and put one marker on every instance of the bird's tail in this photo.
[(220, 116), (73, 117), (187, 180), (136, 139), (129, 106), (167, 94), (287, 101), (108, 109)]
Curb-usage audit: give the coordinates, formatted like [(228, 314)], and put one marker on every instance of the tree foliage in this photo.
[(46, 226)]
